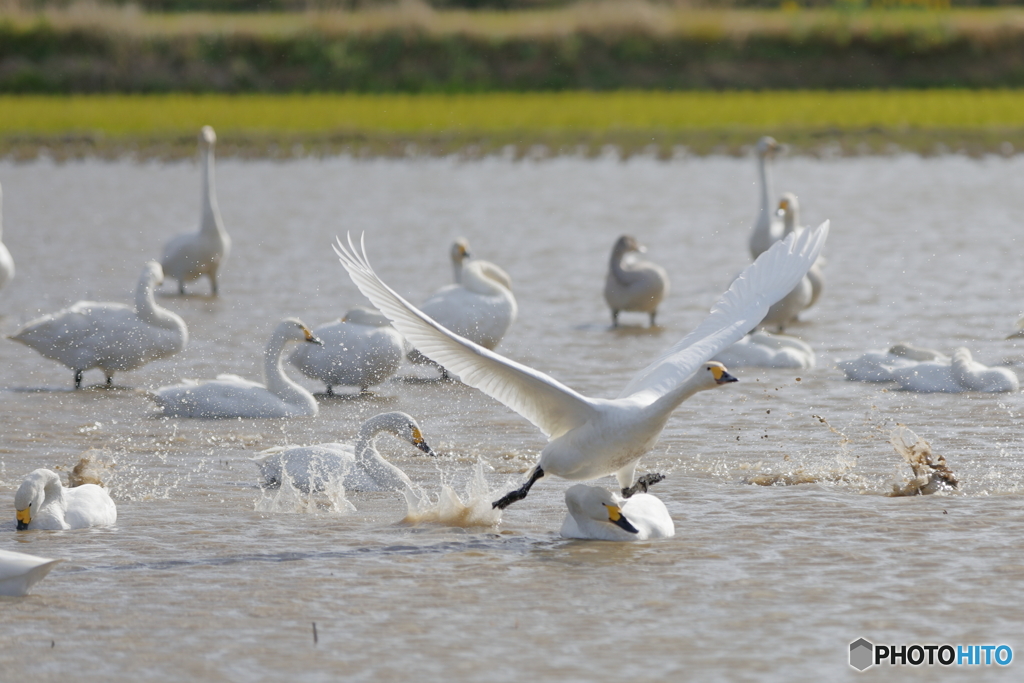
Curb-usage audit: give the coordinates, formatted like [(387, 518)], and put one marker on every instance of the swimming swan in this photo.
[(763, 350), (360, 350), (233, 396), (789, 211), (190, 256), (767, 228), (595, 513), (479, 306), (42, 502), (591, 438), (358, 468), (19, 572), (959, 374), (109, 336), (879, 366), (633, 285), (6, 262)]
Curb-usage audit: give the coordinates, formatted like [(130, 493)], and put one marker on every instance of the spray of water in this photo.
[(471, 509)]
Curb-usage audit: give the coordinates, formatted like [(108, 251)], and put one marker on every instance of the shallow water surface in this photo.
[(205, 577)]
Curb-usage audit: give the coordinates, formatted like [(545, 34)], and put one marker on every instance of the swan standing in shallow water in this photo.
[(190, 256), (19, 572), (767, 228), (960, 374), (879, 366), (109, 336), (479, 306), (42, 502), (588, 437), (357, 468), (232, 396), (595, 513), (360, 350), (6, 262), (633, 285), (763, 350)]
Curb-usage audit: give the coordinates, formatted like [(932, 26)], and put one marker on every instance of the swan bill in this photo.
[(616, 517), (310, 337), (24, 518), (720, 374)]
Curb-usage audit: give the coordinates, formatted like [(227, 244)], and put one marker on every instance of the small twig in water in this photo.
[(316, 639)]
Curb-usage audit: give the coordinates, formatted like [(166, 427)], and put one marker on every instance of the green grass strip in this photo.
[(503, 113)]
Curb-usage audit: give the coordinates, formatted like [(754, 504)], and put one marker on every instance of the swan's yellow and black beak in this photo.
[(721, 375), (419, 442), (616, 517), (24, 518), (310, 337), (783, 208)]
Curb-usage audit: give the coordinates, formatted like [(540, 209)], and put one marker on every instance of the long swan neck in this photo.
[(278, 383), (211, 220), (1, 214), (615, 264), (672, 400), (148, 310), (766, 181), (383, 472), (457, 271)]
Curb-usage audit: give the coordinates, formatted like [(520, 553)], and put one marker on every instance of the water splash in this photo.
[(449, 508), (289, 498)]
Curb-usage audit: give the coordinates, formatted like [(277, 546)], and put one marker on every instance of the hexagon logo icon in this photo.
[(861, 654)]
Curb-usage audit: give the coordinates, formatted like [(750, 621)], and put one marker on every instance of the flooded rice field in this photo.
[(207, 577)]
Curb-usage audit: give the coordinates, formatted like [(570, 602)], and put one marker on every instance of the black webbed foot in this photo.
[(642, 484), (519, 493)]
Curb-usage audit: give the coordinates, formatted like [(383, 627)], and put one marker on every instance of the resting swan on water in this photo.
[(109, 336), (960, 374), (763, 350), (357, 467), (591, 438), (42, 502), (595, 513), (231, 396), (879, 366), (633, 285), (190, 256)]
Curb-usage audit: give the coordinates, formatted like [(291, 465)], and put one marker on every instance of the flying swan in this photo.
[(594, 437)]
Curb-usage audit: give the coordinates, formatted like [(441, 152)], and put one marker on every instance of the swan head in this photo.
[(766, 146), (371, 317), (153, 272), (399, 424), (30, 495), (292, 329), (789, 208), (715, 374), (460, 250), (626, 244), (598, 504), (207, 136)]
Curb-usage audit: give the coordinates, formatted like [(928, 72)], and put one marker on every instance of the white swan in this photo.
[(6, 262), (42, 502), (595, 513), (959, 374), (633, 285), (109, 336), (789, 211), (19, 572), (591, 438), (767, 228), (233, 396), (878, 366), (190, 256), (357, 468), (764, 350), (479, 307), (360, 350)]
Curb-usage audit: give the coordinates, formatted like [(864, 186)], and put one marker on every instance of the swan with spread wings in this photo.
[(594, 437)]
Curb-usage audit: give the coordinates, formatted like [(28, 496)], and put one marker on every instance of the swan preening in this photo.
[(596, 513), (19, 572), (190, 256), (6, 262), (360, 350), (764, 350), (480, 305), (42, 502), (357, 467), (768, 229), (929, 371), (231, 396), (591, 438), (632, 284), (109, 336)]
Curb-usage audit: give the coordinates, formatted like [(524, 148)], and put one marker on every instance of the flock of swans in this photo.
[(456, 330)]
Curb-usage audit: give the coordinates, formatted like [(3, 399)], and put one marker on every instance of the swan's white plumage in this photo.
[(633, 285), (192, 255), (768, 229), (6, 261), (19, 572), (42, 502), (591, 511), (231, 396), (961, 373), (789, 209), (109, 336), (360, 350), (879, 366), (589, 437), (764, 350)]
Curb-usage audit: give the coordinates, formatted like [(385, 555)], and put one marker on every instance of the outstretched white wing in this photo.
[(772, 276), (547, 403)]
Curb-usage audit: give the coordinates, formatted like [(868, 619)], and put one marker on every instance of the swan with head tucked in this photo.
[(596, 437), (230, 396), (357, 467), (767, 228), (959, 374), (42, 502), (190, 256), (764, 350), (19, 572), (479, 306), (109, 336), (6, 262), (879, 366), (789, 211), (633, 285), (360, 350), (596, 513)]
